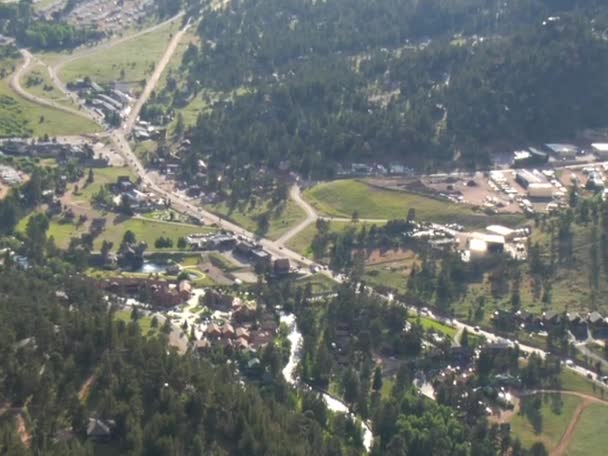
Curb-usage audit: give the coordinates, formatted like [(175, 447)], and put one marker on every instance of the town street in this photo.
[(181, 204)]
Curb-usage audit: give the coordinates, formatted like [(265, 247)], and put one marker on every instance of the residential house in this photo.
[(213, 331), (228, 331), (243, 333), (100, 430)]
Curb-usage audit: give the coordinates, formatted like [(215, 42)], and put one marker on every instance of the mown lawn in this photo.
[(343, 197), (590, 436), (282, 218), (145, 230), (429, 324), (546, 427), (129, 62)]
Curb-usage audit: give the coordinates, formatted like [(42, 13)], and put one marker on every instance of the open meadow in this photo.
[(342, 198), (281, 218), (20, 117), (129, 62), (546, 424)]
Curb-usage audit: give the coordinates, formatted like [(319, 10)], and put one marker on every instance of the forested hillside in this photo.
[(319, 83), (161, 403)]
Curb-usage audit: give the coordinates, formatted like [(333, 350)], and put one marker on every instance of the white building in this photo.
[(600, 150), (540, 190)]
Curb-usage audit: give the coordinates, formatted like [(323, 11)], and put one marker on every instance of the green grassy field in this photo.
[(547, 429), (341, 198), (38, 82), (129, 62), (320, 283), (144, 322), (590, 437), (301, 242), (281, 219), (573, 382), (20, 117), (145, 230), (148, 231), (428, 324), (101, 177)]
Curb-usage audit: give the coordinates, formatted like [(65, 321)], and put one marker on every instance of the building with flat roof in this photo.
[(541, 190), (600, 150), (525, 177), (563, 151)]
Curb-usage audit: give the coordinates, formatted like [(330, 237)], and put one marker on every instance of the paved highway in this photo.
[(275, 248)]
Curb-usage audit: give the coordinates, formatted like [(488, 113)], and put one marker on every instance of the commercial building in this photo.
[(600, 150), (526, 177), (541, 190), (563, 151)]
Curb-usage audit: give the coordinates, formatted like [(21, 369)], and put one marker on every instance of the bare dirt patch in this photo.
[(378, 257)]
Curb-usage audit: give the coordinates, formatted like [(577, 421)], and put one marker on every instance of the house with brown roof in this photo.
[(243, 333), (228, 331), (203, 344), (184, 288), (242, 344), (213, 330)]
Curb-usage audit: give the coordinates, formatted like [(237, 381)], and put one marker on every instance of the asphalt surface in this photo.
[(182, 204)]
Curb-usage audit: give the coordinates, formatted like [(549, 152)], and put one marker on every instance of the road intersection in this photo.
[(182, 204)]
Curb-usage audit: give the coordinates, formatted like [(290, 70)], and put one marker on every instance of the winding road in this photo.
[(15, 84), (182, 204)]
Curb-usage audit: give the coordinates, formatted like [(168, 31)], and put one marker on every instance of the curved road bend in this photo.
[(15, 84), (273, 247)]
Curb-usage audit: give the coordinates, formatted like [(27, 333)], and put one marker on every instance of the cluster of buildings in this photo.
[(496, 239), (46, 149), (241, 330), (144, 131), (159, 293), (475, 245), (374, 169), (529, 186), (111, 17), (242, 247), (138, 201), (580, 324), (10, 176), (110, 103)]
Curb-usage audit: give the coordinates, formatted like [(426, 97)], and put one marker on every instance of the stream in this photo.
[(295, 356)]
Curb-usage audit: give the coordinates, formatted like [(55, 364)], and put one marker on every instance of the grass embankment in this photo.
[(343, 197), (590, 437), (301, 242), (20, 117), (570, 284), (130, 62), (38, 82), (282, 217), (549, 424), (572, 381)]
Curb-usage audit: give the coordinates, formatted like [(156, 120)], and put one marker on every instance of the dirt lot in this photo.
[(378, 257)]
